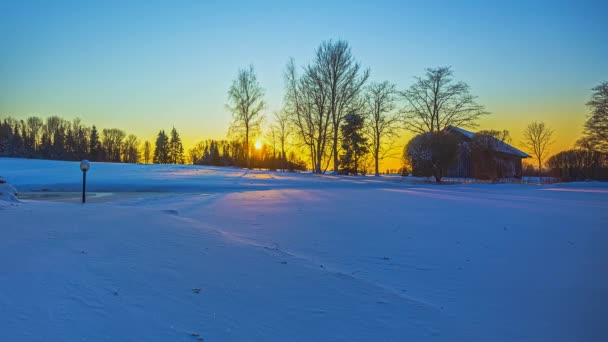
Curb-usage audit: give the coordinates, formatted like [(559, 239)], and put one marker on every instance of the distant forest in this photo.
[(58, 139)]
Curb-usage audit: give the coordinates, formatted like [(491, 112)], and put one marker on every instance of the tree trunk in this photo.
[(318, 161), (438, 175), (335, 149), (376, 157), (283, 161), (247, 148), (377, 170)]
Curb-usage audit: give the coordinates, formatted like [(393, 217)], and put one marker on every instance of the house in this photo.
[(500, 161)]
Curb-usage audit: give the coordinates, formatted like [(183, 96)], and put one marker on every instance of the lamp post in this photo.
[(84, 166)]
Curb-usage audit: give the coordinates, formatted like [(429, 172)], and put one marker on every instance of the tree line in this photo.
[(233, 153), (59, 139), (332, 114)]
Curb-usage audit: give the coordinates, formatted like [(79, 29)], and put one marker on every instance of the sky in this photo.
[(143, 66)]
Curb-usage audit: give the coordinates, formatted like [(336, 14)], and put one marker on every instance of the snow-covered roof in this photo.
[(502, 146), (461, 131)]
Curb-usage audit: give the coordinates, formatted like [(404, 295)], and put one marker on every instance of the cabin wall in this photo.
[(485, 166), (461, 168), (482, 166)]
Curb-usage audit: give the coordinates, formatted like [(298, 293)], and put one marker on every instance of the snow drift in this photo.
[(8, 194)]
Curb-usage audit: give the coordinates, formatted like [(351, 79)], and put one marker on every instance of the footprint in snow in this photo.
[(197, 336)]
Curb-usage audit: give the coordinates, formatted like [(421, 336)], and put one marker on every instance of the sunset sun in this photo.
[(258, 145)]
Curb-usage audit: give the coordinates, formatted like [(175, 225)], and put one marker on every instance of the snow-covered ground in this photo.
[(186, 253)]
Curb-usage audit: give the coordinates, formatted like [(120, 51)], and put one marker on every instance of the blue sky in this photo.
[(146, 65)]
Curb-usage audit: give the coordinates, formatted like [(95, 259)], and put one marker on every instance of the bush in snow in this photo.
[(431, 153)]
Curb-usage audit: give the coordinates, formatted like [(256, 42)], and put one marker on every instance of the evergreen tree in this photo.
[(82, 143), (59, 151), (176, 149), (70, 144), (354, 143), (596, 127), (45, 145), (161, 152), (29, 150), (17, 143), (215, 154), (147, 152), (225, 159), (94, 145), (206, 156), (6, 134)]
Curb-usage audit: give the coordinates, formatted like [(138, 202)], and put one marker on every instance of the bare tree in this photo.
[(343, 80), (436, 101), (537, 138), (246, 103), (281, 129), (34, 125), (130, 149), (271, 140), (382, 121), (112, 143), (306, 102), (431, 153)]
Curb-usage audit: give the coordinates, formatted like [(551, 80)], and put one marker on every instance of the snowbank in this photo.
[(8, 194)]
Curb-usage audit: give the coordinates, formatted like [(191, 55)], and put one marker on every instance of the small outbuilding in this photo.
[(500, 161)]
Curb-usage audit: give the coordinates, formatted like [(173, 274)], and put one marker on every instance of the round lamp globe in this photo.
[(85, 165)]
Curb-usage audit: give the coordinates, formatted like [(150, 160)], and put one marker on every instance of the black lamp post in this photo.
[(84, 166)]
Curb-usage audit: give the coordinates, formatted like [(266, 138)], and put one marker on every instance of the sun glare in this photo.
[(258, 145)]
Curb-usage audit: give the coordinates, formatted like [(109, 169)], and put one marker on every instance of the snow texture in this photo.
[(186, 253)]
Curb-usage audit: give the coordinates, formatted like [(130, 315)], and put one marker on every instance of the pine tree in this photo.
[(225, 159), (82, 143), (176, 149), (17, 144), (147, 152), (214, 154), (161, 152), (354, 143), (59, 144), (94, 145), (205, 160), (70, 144)]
